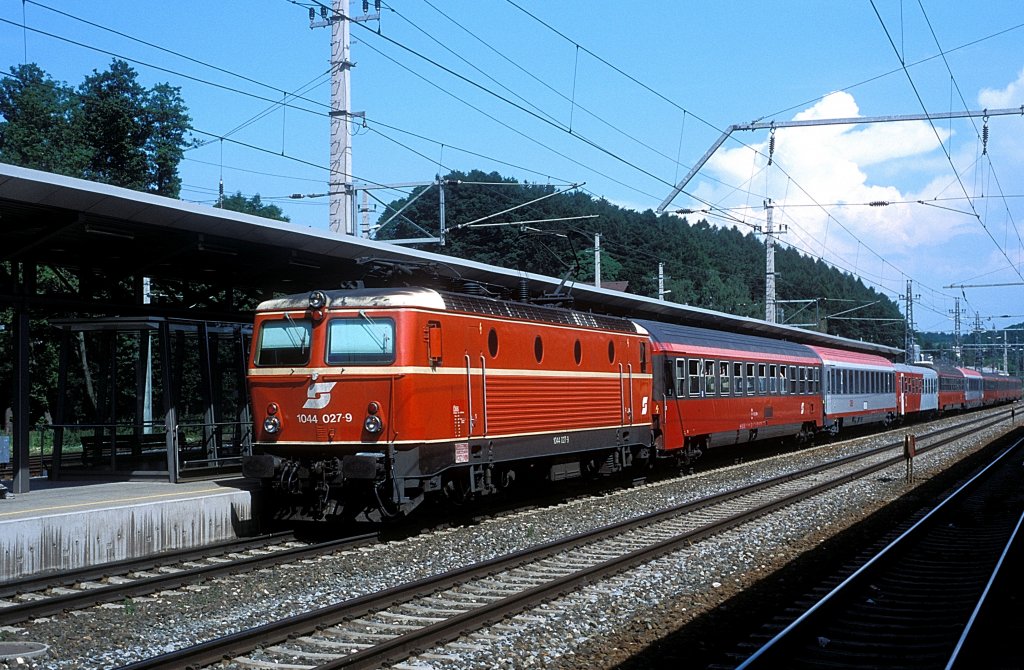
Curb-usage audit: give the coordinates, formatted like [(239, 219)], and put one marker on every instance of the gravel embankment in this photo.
[(597, 627)]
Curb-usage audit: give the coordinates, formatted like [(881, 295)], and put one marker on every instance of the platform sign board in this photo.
[(5, 448)]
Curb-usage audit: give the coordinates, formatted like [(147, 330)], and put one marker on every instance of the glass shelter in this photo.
[(151, 397)]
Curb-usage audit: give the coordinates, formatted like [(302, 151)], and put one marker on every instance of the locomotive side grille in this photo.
[(518, 405), (516, 310)]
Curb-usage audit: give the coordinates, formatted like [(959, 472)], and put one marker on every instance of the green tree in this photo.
[(706, 266), (167, 118), (253, 205), (36, 129), (111, 129)]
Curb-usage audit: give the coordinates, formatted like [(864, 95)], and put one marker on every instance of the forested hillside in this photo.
[(705, 266)]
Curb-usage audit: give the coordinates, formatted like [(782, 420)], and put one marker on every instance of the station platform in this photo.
[(66, 525)]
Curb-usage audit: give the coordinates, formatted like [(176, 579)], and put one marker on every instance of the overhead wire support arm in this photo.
[(519, 206), (771, 125), (963, 286)]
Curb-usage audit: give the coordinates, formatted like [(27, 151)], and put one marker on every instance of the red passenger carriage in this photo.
[(716, 388)]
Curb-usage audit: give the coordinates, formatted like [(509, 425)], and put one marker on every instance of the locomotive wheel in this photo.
[(457, 491)]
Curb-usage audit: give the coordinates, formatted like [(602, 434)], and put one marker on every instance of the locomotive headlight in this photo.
[(373, 424), (272, 424), (317, 300)]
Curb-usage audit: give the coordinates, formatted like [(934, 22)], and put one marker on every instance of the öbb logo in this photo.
[(319, 395)]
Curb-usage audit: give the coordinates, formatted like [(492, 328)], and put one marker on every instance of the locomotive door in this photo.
[(475, 392), (476, 395)]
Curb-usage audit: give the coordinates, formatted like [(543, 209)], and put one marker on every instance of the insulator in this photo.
[(878, 203), (771, 147), (984, 138)]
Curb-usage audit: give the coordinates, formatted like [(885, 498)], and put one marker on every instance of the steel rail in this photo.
[(870, 568), (215, 651), (145, 585)]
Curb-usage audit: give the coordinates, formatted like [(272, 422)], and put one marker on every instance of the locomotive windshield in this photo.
[(284, 342), (360, 339)]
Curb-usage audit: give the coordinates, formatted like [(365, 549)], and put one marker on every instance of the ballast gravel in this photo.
[(595, 627)]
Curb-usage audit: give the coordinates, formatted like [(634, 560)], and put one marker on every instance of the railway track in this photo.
[(51, 594), (941, 595), (391, 625)]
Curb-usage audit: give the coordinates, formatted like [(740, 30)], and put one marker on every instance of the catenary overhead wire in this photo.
[(949, 69), (274, 104), (804, 104), (674, 104), (506, 100), (173, 52), (543, 83), (935, 130), (159, 68)]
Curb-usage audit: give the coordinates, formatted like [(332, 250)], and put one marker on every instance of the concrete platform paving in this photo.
[(73, 524)]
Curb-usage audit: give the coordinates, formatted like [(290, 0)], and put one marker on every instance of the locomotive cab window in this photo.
[(360, 340), (284, 342)]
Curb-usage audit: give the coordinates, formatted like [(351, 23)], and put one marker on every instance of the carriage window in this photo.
[(737, 378), (696, 380), (361, 339), (773, 385), (284, 342), (710, 374), (762, 382), (724, 382), (778, 378), (750, 378), (792, 379), (675, 376)]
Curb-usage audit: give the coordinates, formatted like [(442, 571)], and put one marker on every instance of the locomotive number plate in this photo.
[(327, 417)]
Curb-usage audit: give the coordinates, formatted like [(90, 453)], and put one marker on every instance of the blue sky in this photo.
[(645, 89)]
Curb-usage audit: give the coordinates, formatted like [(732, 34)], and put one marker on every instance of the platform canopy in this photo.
[(50, 219)]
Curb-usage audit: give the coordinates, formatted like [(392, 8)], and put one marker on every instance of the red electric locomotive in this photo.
[(365, 401)]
